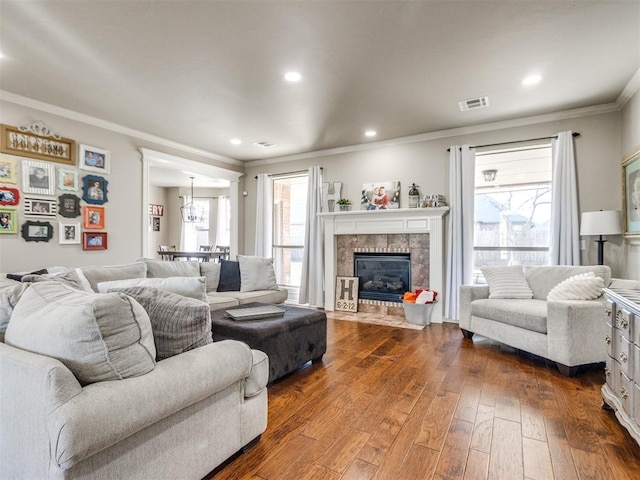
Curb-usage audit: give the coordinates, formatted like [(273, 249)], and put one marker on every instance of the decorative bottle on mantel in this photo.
[(414, 196)]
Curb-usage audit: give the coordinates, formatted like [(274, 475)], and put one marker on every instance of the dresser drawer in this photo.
[(623, 352), (609, 373), (624, 320), (626, 392), (609, 337), (636, 403)]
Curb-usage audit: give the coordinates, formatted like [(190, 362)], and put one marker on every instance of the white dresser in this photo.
[(621, 391)]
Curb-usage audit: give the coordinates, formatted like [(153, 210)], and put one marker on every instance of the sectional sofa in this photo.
[(104, 377)]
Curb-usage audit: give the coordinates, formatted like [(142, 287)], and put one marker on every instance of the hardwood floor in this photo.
[(390, 403)]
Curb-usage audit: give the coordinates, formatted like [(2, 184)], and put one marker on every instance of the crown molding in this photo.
[(114, 127), (629, 90), (454, 132)]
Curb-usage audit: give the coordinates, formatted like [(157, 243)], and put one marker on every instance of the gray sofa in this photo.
[(568, 332), (181, 420), (85, 394)]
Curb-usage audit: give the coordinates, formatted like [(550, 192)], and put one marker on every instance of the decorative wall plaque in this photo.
[(37, 141)]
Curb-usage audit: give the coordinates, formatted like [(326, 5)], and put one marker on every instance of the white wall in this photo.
[(427, 164), (123, 210), (630, 143)]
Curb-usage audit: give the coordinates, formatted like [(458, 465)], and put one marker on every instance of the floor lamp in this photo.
[(607, 222)]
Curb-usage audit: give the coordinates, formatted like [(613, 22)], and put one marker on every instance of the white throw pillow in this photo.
[(194, 287), (256, 273), (507, 282), (164, 269), (98, 337), (585, 286)]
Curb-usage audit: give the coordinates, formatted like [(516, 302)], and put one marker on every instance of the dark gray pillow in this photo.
[(229, 276), (178, 323)]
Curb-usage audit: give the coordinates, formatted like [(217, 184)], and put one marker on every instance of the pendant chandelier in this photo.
[(191, 213)]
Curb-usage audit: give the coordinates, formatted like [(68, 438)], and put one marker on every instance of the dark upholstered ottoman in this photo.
[(290, 341)]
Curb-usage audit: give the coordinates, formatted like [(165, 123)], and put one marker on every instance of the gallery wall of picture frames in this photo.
[(46, 177)]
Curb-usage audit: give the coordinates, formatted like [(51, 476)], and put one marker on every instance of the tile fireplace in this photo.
[(414, 233)]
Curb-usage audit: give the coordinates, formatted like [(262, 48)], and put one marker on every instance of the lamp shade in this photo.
[(603, 222)]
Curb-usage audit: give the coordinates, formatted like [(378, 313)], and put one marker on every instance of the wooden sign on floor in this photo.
[(347, 294)]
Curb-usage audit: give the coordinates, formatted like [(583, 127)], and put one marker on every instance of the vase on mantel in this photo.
[(344, 208)]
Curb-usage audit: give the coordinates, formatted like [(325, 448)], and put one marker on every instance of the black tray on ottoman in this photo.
[(290, 340)]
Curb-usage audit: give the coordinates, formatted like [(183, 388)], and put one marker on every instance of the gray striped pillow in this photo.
[(178, 323), (507, 282)]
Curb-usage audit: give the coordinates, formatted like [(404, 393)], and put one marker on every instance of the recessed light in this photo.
[(531, 79), (235, 141), (292, 77), (370, 133)]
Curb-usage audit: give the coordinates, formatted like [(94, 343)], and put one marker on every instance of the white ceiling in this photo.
[(203, 72)]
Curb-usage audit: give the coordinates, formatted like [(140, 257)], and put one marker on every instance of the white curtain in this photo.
[(264, 215), (565, 241), (460, 247), (312, 281), (222, 222)]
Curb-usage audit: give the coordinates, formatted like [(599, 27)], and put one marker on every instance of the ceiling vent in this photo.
[(473, 103), (264, 144)]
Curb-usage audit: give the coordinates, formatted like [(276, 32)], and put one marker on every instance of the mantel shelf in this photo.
[(418, 212)]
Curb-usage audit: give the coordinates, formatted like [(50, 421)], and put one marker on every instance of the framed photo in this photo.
[(347, 294), (68, 233), (631, 195), (8, 172), (380, 196), (37, 141), (94, 240), (37, 231), (156, 224), (94, 217), (38, 178), (69, 205), (40, 207), (8, 220), (94, 189), (94, 159), (9, 196), (67, 179)]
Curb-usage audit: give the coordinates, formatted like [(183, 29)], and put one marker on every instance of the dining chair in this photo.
[(225, 249), (166, 248), (206, 248)]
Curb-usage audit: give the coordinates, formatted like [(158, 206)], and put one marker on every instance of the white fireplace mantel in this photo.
[(403, 220)]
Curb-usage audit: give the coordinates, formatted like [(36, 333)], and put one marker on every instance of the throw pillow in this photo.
[(194, 287), (585, 286), (164, 269), (178, 323), (98, 337), (91, 276), (507, 282), (256, 273), (229, 276), (9, 296), (211, 271)]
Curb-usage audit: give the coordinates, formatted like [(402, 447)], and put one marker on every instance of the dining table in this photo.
[(202, 256)]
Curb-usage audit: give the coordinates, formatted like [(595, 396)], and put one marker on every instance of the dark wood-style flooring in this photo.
[(391, 403)]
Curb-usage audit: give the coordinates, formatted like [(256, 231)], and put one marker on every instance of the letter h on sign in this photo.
[(347, 294)]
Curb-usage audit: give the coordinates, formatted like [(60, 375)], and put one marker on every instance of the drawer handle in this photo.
[(623, 393), (623, 357), (607, 339), (607, 371), (607, 311), (624, 323)]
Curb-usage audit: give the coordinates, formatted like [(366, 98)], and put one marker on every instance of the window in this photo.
[(197, 233), (512, 211), (289, 221)]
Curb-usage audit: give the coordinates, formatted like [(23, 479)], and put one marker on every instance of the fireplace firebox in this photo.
[(383, 276)]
